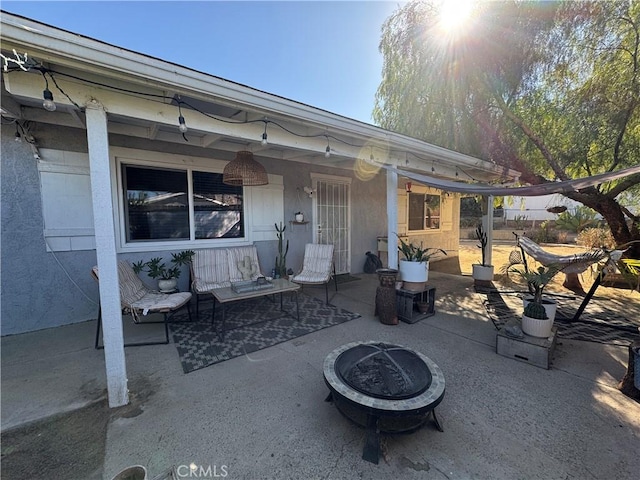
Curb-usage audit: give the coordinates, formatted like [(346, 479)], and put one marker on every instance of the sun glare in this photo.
[(454, 14)]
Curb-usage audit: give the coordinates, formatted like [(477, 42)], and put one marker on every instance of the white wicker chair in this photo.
[(136, 300), (317, 267)]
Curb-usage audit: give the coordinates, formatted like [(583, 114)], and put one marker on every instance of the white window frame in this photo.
[(425, 230), (144, 158)]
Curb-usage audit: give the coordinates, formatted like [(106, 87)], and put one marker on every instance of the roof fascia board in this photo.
[(81, 52)]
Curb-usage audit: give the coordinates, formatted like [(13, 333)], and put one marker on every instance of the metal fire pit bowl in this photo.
[(376, 408)]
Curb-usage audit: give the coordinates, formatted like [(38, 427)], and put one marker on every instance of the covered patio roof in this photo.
[(106, 90), (144, 96)]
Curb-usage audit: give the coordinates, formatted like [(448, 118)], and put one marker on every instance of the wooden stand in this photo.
[(531, 350), (407, 306)]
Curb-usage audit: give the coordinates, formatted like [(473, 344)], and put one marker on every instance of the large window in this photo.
[(158, 207), (424, 211)]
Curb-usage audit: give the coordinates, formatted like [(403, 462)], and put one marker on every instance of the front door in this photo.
[(331, 222)]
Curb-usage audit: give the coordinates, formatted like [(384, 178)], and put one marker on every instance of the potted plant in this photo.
[(414, 268), (167, 276), (299, 216), (539, 311), (280, 269), (482, 272)]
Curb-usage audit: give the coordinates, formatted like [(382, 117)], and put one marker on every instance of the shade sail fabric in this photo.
[(528, 191)]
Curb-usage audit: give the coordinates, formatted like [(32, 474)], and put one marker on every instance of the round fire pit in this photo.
[(383, 387)]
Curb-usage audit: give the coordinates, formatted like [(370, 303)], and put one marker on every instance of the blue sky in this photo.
[(322, 53)]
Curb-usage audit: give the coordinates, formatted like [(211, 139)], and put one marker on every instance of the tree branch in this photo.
[(624, 184), (530, 134)]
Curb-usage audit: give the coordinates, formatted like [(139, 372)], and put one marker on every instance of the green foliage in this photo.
[(544, 233), (535, 310), (157, 268), (413, 253), (582, 217), (537, 280), (520, 222), (481, 236), (548, 88), (281, 259), (596, 238)]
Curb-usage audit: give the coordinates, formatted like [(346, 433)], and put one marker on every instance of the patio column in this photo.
[(97, 138), (487, 223), (392, 219)]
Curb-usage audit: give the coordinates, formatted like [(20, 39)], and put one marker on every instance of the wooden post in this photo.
[(626, 385)]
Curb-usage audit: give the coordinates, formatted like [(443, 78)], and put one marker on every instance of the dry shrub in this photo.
[(595, 238)]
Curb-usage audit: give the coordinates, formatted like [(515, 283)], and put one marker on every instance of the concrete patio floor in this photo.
[(263, 416)]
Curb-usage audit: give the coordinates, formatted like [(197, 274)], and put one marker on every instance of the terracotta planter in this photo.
[(536, 328)]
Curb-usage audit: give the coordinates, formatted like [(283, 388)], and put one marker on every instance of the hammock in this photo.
[(576, 263)]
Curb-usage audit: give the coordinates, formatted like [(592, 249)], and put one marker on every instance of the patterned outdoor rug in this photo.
[(251, 325), (598, 323)]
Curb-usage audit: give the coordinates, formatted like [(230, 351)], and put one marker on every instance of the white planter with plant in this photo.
[(167, 277), (482, 272), (535, 319), (414, 268)]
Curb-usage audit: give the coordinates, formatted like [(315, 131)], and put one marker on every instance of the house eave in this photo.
[(52, 45)]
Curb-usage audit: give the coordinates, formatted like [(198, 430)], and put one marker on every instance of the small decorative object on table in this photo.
[(251, 285)]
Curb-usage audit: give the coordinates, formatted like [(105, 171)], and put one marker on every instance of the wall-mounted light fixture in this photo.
[(407, 187)]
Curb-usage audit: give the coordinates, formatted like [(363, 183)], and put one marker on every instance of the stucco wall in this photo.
[(42, 289), (39, 289)]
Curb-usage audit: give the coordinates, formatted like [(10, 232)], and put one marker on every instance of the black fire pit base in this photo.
[(370, 402), (381, 424)]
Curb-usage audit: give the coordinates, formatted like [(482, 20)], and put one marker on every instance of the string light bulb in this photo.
[(182, 124), (48, 102), (264, 135), (327, 151)]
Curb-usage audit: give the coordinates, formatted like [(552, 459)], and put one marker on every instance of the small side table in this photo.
[(407, 304)]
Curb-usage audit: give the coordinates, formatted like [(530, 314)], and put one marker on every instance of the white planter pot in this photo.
[(299, 217), (482, 272), (414, 271), (536, 328), (167, 286), (549, 304)]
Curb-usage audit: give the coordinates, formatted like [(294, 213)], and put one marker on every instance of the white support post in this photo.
[(487, 223), (103, 208), (392, 219)]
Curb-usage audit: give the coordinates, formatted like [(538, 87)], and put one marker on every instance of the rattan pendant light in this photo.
[(244, 171)]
